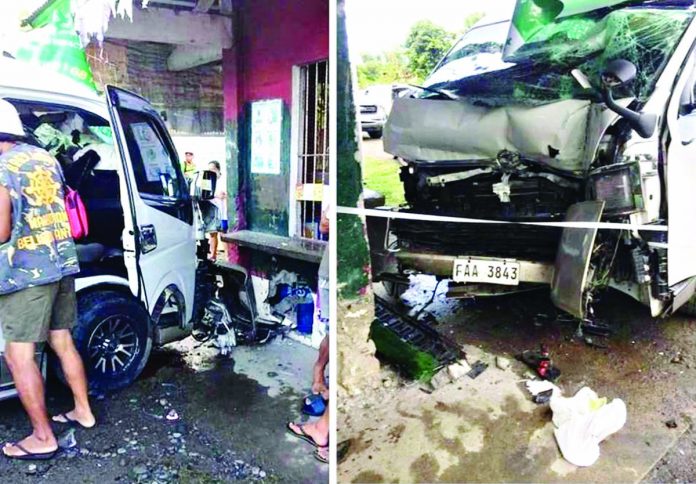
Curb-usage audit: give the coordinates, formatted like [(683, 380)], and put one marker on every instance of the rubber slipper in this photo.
[(319, 456), (70, 421), (301, 435), (30, 455)]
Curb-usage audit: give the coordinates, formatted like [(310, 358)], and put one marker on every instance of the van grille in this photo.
[(493, 240)]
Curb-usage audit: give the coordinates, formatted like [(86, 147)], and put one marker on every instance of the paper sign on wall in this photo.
[(266, 125)]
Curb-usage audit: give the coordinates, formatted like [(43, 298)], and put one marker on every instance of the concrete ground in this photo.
[(374, 149), (488, 429), (232, 416)]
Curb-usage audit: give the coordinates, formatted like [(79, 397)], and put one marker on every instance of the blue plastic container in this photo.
[(305, 317)]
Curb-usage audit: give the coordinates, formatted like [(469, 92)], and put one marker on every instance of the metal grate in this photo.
[(419, 334), (313, 162)]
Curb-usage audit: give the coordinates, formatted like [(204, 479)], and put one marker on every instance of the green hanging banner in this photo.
[(533, 15), (53, 43)]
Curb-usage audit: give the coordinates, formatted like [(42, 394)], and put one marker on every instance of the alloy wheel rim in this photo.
[(113, 345)]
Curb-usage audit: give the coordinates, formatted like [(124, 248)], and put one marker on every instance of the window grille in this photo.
[(313, 156)]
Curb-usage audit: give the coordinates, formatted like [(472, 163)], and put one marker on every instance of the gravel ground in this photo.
[(231, 422), (679, 464)]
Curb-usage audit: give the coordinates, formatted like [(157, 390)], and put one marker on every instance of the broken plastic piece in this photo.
[(476, 369), (172, 415), (543, 397), (67, 440), (540, 362)]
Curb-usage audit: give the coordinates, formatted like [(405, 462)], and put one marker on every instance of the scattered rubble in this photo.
[(459, 369), (440, 379), (476, 369), (502, 362)]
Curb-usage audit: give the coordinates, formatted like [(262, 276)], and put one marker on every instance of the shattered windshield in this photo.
[(539, 71)]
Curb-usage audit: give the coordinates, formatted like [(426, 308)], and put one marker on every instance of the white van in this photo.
[(138, 282), (535, 140)]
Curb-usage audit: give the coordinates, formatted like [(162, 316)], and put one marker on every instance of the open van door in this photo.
[(681, 180), (159, 244)]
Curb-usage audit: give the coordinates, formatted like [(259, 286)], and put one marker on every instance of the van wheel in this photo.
[(112, 334), (376, 134)]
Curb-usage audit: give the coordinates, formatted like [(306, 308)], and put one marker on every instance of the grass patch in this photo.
[(383, 177)]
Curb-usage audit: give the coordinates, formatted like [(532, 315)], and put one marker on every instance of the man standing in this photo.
[(317, 433), (37, 290), (188, 167)]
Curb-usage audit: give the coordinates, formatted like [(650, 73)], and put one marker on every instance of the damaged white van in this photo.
[(142, 283), (561, 127)]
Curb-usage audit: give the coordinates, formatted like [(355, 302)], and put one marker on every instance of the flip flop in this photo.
[(69, 421), (301, 434), (318, 455), (29, 455)]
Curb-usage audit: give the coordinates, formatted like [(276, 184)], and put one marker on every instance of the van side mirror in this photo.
[(203, 185), (619, 73)]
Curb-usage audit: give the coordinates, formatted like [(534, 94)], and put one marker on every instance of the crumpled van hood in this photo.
[(437, 130)]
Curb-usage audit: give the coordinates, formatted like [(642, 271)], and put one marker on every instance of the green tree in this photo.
[(426, 44), (470, 20), (386, 68)]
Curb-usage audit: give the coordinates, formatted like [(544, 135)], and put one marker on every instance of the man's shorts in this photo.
[(28, 315)]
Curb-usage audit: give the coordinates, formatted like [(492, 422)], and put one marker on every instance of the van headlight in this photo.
[(619, 187)]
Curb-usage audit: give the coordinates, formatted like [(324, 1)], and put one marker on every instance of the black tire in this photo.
[(375, 134), (103, 316)]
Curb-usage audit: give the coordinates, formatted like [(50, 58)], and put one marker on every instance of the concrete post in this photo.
[(357, 364), (231, 83)]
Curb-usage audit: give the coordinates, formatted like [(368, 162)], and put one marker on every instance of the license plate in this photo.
[(492, 271)]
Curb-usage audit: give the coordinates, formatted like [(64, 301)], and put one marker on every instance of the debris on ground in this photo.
[(502, 362), (459, 369), (539, 387), (67, 439), (540, 362), (542, 397), (671, 424), (477, 368), (414, 347), (342, 450), (583, 421), (440, 379)]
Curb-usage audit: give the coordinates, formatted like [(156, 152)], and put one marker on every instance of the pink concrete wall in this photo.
[(274, 36)]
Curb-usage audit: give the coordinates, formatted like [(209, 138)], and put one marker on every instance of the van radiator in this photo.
[(493, 240)]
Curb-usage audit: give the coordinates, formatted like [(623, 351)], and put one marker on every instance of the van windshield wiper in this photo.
[(436, 91)]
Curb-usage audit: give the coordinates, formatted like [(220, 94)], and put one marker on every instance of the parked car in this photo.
[(375, 105), (577, 124), (372, 119), (144, 280)]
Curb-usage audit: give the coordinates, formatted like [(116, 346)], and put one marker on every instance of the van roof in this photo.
[(24, 75)]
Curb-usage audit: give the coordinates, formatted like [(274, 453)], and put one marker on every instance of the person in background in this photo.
[(38, 260), (317, 433), (188, 166), (220, 203)]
